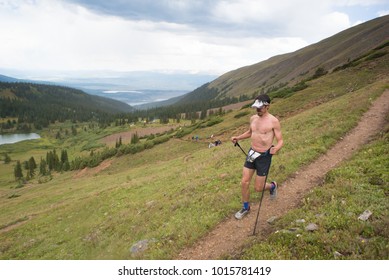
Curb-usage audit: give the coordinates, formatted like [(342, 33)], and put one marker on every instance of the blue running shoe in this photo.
[(273, 190)]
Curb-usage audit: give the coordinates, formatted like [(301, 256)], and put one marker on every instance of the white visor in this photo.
[(259, 104)]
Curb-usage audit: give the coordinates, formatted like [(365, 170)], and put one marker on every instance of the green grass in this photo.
[(116, 211), (176, 192), (358, 185)]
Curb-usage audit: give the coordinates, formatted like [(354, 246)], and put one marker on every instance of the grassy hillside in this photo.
[(171, 195), (289, 69)]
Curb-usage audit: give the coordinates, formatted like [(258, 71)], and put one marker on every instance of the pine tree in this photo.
[(134, 138), (50, 160), (43, 167), (57, 163), (64, 156), (7, 158), (18, 171), (31, 162), (65, 160), (118, 142), (31, 167)]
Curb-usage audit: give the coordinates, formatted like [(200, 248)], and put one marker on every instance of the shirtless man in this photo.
[(264, 127)]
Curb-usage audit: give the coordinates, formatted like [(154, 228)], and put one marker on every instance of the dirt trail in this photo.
[(229, 236)]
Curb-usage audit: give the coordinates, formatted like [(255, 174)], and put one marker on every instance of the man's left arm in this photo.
[(278, 136)]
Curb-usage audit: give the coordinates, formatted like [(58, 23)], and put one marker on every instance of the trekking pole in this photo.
[(237, 144), (260, 204)]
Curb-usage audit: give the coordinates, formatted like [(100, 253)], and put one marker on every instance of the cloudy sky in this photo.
[(47, 38)]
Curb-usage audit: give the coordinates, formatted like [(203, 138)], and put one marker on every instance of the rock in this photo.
[(376, 180), (312, 227), (365, 215), (337, 254), (271, 220), (140, 246), (150, 203), (363, 240), (300, 221)]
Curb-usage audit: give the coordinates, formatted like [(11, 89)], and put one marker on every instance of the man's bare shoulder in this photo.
[(274, 120), (253, 117)]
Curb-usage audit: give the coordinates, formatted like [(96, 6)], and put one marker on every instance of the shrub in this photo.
[(241, 114)]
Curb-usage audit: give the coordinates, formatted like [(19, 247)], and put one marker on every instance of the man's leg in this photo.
[(258, 186), (246, 178), (259, 181)]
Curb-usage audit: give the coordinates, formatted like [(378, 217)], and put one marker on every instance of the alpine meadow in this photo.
[(106, 181)]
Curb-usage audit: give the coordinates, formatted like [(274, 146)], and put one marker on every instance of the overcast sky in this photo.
[(48, 37)]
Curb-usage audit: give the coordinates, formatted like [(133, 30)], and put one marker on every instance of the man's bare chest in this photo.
[(261, 127)]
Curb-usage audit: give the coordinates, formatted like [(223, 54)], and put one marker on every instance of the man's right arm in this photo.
[(245, 135)]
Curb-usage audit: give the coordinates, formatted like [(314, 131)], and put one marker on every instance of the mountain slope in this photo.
[(289, 69)]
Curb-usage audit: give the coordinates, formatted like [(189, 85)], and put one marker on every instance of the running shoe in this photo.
[(273, 190), (241, 213)]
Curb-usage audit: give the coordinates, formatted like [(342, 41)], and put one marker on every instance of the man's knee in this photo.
[(259, 183), (245, 183), (257, 188)]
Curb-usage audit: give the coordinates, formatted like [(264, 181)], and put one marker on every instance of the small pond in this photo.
[(14, 138)]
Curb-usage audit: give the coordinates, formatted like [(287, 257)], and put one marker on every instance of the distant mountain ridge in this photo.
[(7, 79)]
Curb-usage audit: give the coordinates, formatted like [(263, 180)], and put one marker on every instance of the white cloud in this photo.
[(325, 25), (383, 13), (241, 11), (174, 35), (52, 35), (357, 2)]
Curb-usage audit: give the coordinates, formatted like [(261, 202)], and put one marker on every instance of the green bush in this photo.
[(241, 114)]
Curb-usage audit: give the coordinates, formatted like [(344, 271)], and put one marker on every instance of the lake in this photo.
[(14, 138)]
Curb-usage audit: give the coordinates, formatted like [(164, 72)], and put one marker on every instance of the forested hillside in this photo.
[(43, 104)]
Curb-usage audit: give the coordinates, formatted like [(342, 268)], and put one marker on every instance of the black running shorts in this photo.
[(261, 163)]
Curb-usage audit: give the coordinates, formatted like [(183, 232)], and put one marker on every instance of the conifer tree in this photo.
[(118, 142), (65, 160), (43, 167), (7, 158), (31, 167), (134, 138), (18, 171)]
